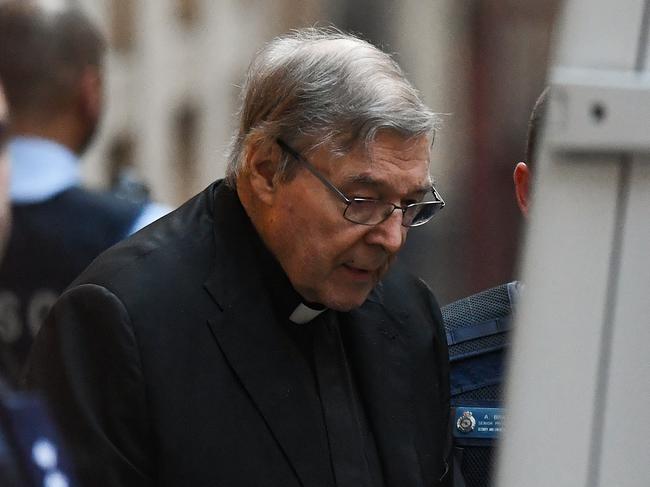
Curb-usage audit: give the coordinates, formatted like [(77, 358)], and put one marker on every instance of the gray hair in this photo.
[(316, 87)]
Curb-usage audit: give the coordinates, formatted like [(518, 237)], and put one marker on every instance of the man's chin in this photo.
[(339, 296), (345, 301)]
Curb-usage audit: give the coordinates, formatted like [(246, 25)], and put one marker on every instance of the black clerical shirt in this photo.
[(352, 451)]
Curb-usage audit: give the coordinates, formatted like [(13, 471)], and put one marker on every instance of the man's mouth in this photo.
[(359, 273)]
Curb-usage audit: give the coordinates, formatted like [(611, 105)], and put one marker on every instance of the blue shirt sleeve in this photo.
[(150, 213)]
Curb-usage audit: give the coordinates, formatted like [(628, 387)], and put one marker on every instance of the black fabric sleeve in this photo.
[(86, 363)]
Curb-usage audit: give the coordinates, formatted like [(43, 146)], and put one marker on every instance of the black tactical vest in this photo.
[(51, 243), (477, 334)]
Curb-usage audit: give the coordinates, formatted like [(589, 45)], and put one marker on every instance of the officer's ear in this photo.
[(262, 160), (521, 177)]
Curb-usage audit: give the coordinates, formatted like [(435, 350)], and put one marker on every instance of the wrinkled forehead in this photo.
[(389, 145), (369, 149), (404, 147), (389, 159)]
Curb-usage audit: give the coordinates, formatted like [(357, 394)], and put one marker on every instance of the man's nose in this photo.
[(390, 234)]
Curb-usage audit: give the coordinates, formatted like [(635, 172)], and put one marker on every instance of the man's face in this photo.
[(4, 174), (328, 259)]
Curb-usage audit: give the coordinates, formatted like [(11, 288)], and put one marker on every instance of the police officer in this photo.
[(51, 64)]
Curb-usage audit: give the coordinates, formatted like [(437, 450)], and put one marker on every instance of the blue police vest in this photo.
[(51, 243), (477, 336), (31, 451)]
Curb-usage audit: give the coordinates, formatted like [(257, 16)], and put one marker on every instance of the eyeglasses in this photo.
[(369, 211)]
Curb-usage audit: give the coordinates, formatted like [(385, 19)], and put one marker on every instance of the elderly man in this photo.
[(253, 336), (51, 66)]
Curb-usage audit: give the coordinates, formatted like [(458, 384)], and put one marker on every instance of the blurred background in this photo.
[(172, 91)]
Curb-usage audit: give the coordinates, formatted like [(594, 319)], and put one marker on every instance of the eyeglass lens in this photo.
[(372, 212)]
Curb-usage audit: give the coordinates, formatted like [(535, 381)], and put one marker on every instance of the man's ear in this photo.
[(521, 177), (261, 166), (91, 93)]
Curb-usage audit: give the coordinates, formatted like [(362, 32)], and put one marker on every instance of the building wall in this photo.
[(172, 84)]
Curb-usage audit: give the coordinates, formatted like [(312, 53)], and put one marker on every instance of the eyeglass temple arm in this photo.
[(437, 196), (312, 169)]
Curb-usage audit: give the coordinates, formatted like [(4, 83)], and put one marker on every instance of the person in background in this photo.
[(477, 334), (51, 65), (31, 453), (5, 208), (522, 174), (255, 336)]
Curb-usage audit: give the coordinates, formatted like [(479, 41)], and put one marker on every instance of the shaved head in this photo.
[(43, 53), (535, 123)]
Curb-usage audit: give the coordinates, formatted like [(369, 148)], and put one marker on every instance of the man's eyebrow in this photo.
[(364, 179), (368, 180)]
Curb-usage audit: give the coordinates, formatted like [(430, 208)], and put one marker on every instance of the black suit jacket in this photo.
[(165, 365)]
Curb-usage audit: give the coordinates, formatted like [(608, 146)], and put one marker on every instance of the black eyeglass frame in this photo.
[(438, 202)]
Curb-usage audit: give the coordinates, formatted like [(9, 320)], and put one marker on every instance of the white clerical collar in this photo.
[(304, 314)]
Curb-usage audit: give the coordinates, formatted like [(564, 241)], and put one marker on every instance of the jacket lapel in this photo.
[(262, 355)]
